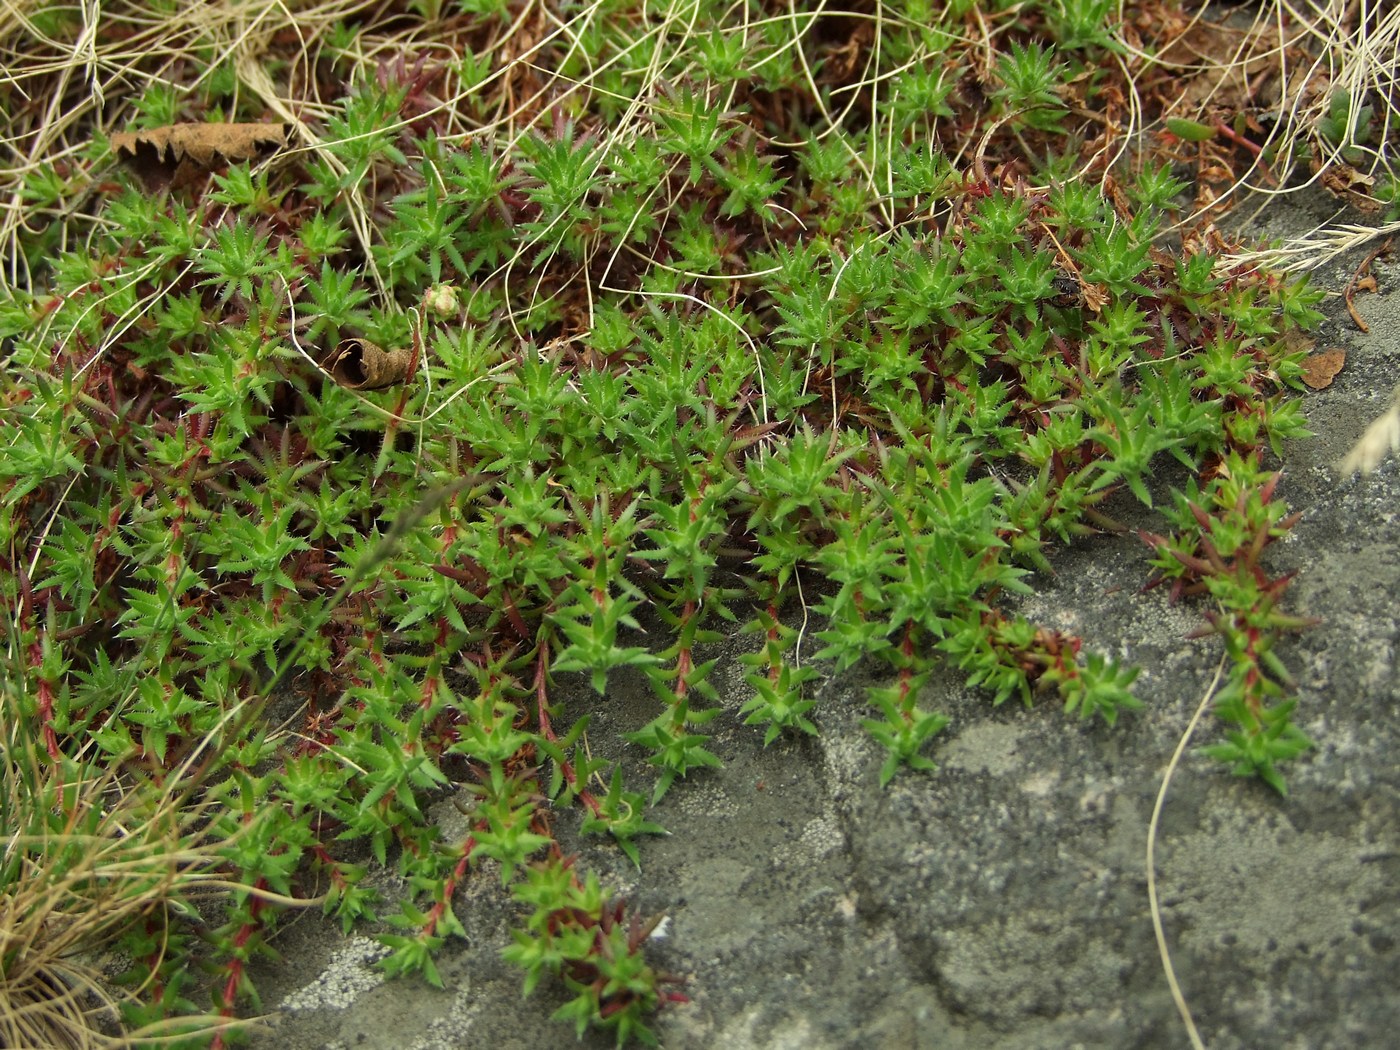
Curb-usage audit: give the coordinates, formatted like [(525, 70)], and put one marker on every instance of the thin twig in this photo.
[(1349, 291)]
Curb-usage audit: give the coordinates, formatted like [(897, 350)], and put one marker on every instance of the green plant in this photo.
[(1030, 82), (1346, 125), (682, 326), (1223, 533), (1388, 191), (1082, 24), (86, 865), (577, 932)]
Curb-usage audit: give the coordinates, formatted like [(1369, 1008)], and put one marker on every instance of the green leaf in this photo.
[(1190, 130)]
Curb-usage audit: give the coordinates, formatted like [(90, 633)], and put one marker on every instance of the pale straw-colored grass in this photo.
[(1351, 47), (84, 858), (1380, 439)]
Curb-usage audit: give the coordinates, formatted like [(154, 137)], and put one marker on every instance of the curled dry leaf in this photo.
[(357, 364), (175, 154), (1321, 368), (1347, 184)]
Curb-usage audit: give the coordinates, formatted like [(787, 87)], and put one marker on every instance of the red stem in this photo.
[(566, 768)]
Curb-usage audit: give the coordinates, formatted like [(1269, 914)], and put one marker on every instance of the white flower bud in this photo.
[(442, 299)]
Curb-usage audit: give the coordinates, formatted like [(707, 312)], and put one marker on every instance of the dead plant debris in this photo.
[(358, 364), (175, 154), (1321, 368)]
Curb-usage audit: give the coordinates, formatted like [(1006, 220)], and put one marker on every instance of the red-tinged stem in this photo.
[(684, 662), (1239, 140), (541, 695), (906, 673), (36, 663), (236, 965), (371, 634), (391, 430), (430, 680), (566, 768), (45, 703), (174, 559), (153, 962), (774, 665), (449, 887), (333, 869), (1252, 674)]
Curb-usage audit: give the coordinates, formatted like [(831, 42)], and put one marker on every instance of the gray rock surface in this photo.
[(1001, 901)]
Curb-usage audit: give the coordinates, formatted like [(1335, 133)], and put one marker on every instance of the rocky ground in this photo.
[(1002, 900)]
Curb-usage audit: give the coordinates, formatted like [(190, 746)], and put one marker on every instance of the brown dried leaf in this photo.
[(175, 154), (1346, 183), (1095, 297), (357, 364), (204, 143), (1321, 368), (746, 436), (1207, 239)]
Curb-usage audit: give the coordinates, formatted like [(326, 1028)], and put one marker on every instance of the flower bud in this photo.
[(442, 299)]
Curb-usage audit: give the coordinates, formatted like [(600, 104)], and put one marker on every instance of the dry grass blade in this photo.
[(1381, 438), (85, 858), (1312, 249), (64, 79), (1183, 1009), (1310, 80)]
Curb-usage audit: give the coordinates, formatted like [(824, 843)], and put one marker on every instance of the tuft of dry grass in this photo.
[(1310, 250), (72, 73), (87, 854), (1302, 56)]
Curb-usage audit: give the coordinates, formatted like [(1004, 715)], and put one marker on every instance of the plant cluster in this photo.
[(1217, 551), (715, 305)]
